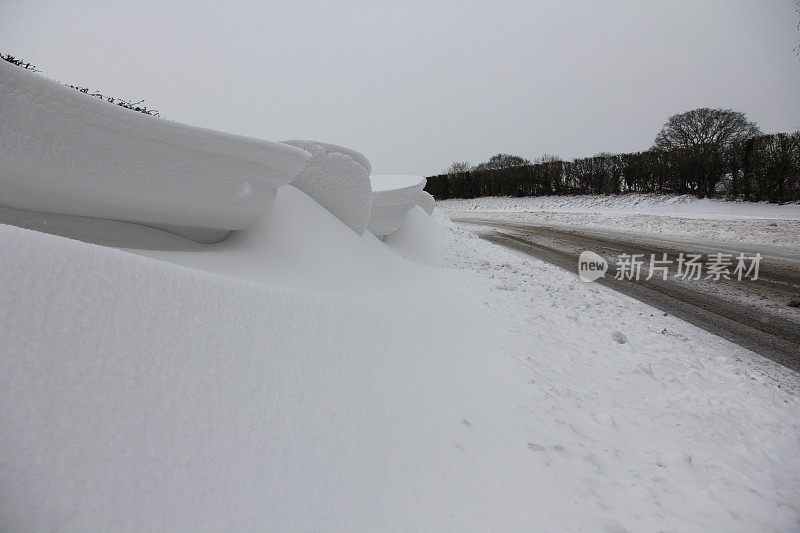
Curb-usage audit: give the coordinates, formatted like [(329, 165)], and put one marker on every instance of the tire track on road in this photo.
[(771, 336)]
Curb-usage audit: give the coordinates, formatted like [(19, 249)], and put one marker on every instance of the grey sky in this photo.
[(416, 85)]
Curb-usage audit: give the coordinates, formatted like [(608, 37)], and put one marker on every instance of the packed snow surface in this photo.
[(65, 152)]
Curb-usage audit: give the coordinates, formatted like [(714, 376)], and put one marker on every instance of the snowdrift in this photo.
[(298, 244), (299, 376), (104, 231), (338, 179), (65, 152), (80, 167), (426, 202), (420, 238), (317, 147), (274, 380), (392, 197), (136, 394)]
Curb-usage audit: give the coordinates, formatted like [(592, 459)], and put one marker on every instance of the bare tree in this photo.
[(705, 127), (458, 167), (546, 158), (503, 161)]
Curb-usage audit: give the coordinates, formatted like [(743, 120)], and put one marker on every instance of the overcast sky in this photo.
[(417, 85)]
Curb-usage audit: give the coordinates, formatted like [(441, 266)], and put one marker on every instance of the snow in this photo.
[(300, 376), (683, 217), (69, 153), (426, 202), (97, 230), (675, 429), (337, 178), (139, 394), (297, 244), (341, 186), (392, 197), (316, 147), (651, 204), (419, 239), (395, 182)]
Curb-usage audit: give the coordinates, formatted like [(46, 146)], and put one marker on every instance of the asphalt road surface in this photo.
[(734, 310)]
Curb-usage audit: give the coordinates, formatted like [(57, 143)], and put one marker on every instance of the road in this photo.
[(734, 310)]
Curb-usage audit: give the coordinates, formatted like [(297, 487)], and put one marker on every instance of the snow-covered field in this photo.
[(649, 214), (303, 375)]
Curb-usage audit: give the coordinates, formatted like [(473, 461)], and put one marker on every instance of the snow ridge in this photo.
[(66, 152)]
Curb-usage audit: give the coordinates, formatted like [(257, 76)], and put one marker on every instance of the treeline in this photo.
[(766, 167)]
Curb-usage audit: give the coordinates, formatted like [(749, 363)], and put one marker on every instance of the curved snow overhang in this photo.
[(69, 153), (338, 179), (426, 202), (316, 147), (392, 197)]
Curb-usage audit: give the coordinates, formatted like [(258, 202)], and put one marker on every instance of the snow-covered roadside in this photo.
[(674, 429), (684, 216)]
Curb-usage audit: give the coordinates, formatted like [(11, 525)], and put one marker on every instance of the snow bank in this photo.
[(298, 244), (65, 152), (338, 179), (420, 238), (392, 197), (140, 395)]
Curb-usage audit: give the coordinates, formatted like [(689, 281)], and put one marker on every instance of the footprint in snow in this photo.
[(619, 337)]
